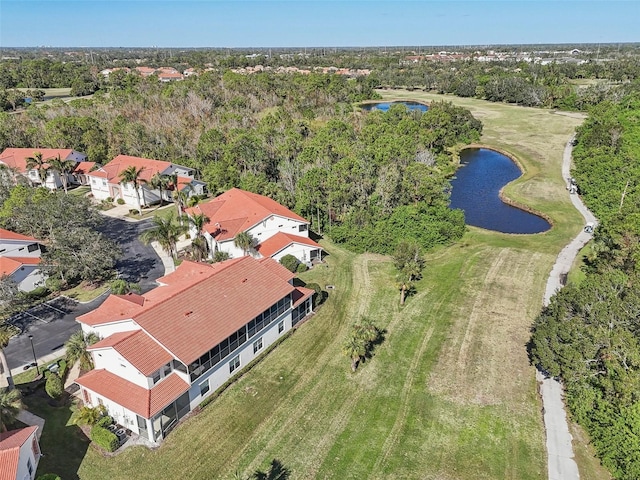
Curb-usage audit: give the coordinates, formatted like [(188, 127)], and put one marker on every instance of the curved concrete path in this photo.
[(560, 457)]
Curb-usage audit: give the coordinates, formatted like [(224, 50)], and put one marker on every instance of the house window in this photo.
[(155, 378), (234, 363), (104, 183), (204, 388), (85, 396), (33, 247), (303, 228), (100, 401), (257, 345), (166, 370), (29, 466), (281, 327), (35, 448)]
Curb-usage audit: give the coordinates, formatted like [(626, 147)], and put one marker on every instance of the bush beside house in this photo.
[(104, 438)]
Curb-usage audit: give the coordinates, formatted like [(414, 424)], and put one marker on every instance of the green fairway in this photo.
[(448, 394)]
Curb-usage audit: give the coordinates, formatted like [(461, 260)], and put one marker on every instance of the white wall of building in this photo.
[(18, 248), (104, 330), (26, 456), (301, 252), (112, 361), (28, 277), (274, 224), (99, 187), (220, 373), (121, 415)]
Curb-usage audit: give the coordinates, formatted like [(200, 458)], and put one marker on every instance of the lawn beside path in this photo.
[(448, 394)]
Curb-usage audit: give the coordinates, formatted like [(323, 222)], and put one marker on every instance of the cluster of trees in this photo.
[(589, 335), (68, 226), (363, 178)]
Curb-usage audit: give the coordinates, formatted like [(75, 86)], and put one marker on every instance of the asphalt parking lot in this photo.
[(52, 323)]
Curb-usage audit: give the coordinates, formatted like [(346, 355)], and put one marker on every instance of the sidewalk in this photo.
[(29, 418)]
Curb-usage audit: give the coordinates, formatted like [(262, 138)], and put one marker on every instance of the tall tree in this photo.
[(161, 183), (244, 241), (76, 348), (199, 244), (133, 176), (5, 336), (166, 232), (36, 162), (63, 168), (10, 406)]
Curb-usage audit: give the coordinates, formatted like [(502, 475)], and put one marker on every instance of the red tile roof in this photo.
[(10, 443), (17, 157), (84, 167), (199, 305), (300, 294), (8, 235), (9, 265), (138, 348), (139, 400), (114, 308), (280, 240), (203, 315), (112, 170), (277, 268), (237, 210)]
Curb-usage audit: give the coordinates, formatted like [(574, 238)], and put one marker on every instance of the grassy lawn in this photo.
[(165, 211), (82, 293), (448, 394), (63, 443), (80, 191), (30, 375)]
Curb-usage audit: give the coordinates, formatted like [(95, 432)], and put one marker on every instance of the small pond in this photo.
[(384, 106), (476, 189)]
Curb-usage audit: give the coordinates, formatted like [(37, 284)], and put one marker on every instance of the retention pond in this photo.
[(476, 191)]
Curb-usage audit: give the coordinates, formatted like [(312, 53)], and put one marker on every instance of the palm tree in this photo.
[(166, 232), (355, 349), (64, 168), (244, 241), (199, 243), (5, 336), (10, 406), (38, 163), (160, 182), (76, 348), (132, 175)]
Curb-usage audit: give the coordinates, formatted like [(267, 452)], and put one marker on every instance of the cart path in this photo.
[(560, 456)]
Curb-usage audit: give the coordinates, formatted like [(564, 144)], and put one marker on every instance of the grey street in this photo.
[(52, 323)]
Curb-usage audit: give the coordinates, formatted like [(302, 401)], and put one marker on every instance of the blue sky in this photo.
[(267, 23)]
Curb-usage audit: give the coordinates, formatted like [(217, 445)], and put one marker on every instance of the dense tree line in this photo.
[(364, 178), (589, 335)]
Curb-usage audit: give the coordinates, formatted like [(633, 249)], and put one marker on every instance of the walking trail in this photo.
[(561, 463)]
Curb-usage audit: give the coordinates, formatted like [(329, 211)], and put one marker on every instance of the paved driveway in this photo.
[(52, 323)]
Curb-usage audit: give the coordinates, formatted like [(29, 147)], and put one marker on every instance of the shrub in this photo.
[(54, 386), (134, 211), (90, 415), (318, 297), (104, 438), (290, 263), (104, 421), (109, 199), (62, 364), (54, 284), (302, 268), (120, 201), (49, 476), (220, 256)]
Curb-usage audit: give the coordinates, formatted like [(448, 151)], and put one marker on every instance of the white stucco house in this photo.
[(162, 353), (276, 230), (105, 181), (20, 260), (16, 160), (19, 454)]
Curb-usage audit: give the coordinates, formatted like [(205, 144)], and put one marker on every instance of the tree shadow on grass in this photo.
[(277, 471), (63, 444)]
